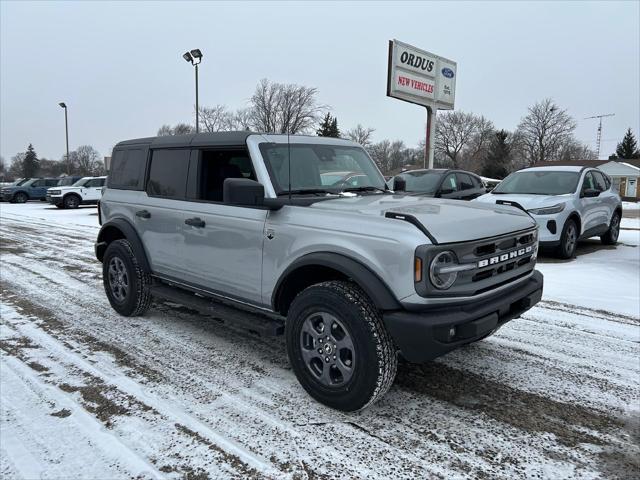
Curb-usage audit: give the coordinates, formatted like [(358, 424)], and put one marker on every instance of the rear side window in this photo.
[(601, 183), (464, 181), (95, 182), (51, 182), (127, 169), (449, 183), (168, 173)]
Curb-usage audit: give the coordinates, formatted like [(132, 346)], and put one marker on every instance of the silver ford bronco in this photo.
[(300, 235)]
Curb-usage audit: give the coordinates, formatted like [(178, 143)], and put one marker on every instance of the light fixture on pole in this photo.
[(66, 126), (195, 57)]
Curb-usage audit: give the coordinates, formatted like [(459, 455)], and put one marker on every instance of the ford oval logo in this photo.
[(447, 72)]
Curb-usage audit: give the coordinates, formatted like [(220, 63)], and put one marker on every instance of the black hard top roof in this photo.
[(192, 139)]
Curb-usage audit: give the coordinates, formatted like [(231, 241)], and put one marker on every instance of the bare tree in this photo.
[(544, 131), (179, 129), (17, 164), (361, 135), (216, 119), (242, 119), (284, 108), (454, 132), (381, 154), (574, 150), (397, 155), (86, 161), (478, 148)]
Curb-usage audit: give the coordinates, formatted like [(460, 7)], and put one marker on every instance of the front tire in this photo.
[(338, 346), (71, 201), (611, 236), (568, 240), (20, 197), (125, 282)]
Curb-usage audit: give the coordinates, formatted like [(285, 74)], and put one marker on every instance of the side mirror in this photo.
[(590, 193), (243, 192), (399, 184)]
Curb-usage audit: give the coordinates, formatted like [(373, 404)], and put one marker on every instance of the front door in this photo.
[(591, 214), (222, 243), (631, 187)]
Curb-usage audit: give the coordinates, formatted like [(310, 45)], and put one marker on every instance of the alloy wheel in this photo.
[(118, 279), (327, 349)]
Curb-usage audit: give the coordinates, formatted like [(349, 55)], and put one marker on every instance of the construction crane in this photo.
[(600, 117)]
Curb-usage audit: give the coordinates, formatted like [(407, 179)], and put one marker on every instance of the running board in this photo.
[(260, 324)]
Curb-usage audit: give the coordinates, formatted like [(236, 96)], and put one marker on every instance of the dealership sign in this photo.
[(420, 77)]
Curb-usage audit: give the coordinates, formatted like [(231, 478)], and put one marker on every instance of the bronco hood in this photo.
[(446, 221)]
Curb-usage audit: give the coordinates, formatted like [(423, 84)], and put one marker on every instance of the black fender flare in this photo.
[(116, 229), (364, 277)]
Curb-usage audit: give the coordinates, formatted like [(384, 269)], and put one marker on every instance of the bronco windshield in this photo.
[(539, 182), (317, 169)]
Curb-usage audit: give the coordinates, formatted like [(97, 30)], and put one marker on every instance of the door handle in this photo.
[(195, 222), (143, 214)]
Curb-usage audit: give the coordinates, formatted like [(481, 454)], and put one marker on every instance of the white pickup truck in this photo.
[(86, 191)]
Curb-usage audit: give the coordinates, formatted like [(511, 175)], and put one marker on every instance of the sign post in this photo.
[(417, 76)]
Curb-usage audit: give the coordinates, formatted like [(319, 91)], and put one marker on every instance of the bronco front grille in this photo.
[(492, 262)]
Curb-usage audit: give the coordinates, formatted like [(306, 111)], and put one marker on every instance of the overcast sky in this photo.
[(118, 66)]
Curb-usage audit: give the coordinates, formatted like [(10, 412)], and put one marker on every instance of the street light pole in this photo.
[(195, 57), (197, 107), (66, 126)]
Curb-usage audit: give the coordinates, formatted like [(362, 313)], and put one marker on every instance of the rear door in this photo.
[(467, 189), (449, 187), (158, 214), (222, 243), (608, 199), (590, 206)]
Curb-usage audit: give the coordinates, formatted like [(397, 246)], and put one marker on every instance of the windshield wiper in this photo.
[(365, 189), (305, 191)]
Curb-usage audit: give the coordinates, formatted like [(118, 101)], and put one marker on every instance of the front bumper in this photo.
[(7, 197), (425, 335), (54, 200)]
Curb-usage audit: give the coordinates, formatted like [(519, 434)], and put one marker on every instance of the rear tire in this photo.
[(125, 282), (568, 240), (611, 236), (338, 346), (71, 201)]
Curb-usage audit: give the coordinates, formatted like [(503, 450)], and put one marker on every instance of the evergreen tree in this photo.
[(627, 148), (498, 158), (30, 164), (329, 127)]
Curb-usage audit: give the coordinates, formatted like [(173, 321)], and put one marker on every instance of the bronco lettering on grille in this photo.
[(505, 257)]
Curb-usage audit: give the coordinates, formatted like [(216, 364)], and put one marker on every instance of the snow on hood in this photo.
[(446, 220), (527, 201)]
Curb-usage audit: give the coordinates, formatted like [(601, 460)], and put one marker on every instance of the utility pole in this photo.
[(600, 117)]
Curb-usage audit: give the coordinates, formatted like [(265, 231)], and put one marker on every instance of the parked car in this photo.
[(568, 203), (32, 189), (350, 275), (86, 191), (440, 183)]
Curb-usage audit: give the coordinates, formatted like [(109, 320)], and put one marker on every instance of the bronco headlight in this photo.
[(54, 192), (443, 270), (547, 210)]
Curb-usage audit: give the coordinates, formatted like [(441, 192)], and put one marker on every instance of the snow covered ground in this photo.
[(85, 393)]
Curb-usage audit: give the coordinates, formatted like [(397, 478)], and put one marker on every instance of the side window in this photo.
[(168, 173), (127, 169), (601, 184), (450, 184), (51, 182), (464, 181), (477, 182), (218, 165), (38, 183), (96, 182), (588, 183)]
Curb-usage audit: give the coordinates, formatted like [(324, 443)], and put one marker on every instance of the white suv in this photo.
[(86, 191), (568, 203)]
